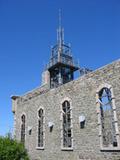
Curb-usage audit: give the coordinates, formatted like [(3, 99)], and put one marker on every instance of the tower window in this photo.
[(23, 128)]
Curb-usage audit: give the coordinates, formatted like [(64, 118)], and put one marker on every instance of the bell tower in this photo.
[(61, 66)]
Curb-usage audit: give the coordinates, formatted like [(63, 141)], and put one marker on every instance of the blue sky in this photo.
[(28, 29)]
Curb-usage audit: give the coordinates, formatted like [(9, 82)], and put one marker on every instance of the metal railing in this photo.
[(65, 59)]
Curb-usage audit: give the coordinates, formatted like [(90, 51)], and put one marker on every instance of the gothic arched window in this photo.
[(66, 125), (107, 118), (23, 128), (41, 128)]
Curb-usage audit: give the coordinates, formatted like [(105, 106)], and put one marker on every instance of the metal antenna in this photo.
[(60, 19), (60, 31)]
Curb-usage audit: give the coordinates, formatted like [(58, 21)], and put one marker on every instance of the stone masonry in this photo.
[(82, 93)]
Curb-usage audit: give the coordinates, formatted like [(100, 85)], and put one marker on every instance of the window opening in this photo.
[(67, 132), (40, 128), (23, 129), (107, 118)]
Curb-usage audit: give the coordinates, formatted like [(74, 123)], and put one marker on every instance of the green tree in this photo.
[(10, 149)]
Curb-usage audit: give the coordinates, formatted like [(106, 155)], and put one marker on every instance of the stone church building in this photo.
[(67, 119)]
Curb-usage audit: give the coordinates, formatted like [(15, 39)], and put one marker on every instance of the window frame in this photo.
[(61, 119), (109, 148), (23, 114), (38, 118)]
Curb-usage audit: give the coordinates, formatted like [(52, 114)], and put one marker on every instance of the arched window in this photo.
[(66, 125), (23, 128), (41, 128), (107, 119)]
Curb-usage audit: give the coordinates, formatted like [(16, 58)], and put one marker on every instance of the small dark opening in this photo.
[(51, 128), (115, 144), (30, 132), (82, 124)]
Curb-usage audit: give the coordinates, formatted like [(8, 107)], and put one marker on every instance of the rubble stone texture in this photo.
[(82, 93)]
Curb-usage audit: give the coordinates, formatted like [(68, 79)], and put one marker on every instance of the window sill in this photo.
[(67, 149), (40, 148), (110, 149)]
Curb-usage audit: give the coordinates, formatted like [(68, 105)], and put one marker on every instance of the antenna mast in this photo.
[(60, 32)]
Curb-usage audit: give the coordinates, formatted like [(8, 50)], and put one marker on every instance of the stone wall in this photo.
[(82, 92)]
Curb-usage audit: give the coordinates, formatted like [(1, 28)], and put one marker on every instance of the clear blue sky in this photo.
[(28, 29)]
